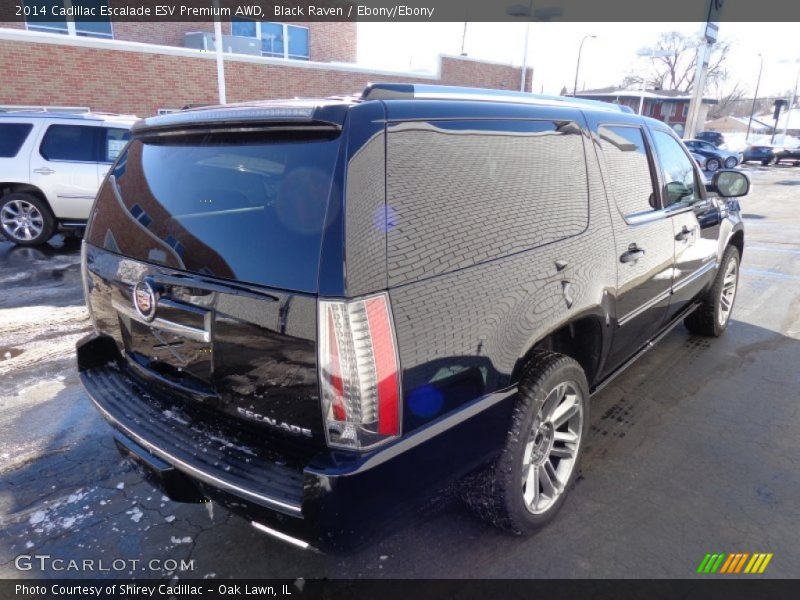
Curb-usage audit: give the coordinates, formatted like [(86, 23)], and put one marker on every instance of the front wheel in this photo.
[(712, 317), (712, 164), (730, 162), (528, 483), (26, 220)]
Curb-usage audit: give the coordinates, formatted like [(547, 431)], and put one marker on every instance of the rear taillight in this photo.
[(358, 369)]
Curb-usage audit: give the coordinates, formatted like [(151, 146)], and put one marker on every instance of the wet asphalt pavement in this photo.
[(693, 450)]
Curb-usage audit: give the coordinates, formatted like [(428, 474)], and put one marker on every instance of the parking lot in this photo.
[(693, 450)]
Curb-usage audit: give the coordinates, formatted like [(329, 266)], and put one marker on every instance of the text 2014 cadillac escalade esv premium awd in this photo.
[(321, 312)]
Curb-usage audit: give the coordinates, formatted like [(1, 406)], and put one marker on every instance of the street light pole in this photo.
[(542, 14), (220, 59), (755, 96), (652, 53), (578, 65), (523, 77)]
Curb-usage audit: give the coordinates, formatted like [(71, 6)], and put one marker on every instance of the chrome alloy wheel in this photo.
[(727, 295), (21, 220), (552, 448)]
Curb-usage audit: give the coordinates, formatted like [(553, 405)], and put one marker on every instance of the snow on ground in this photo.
[(736, 141)]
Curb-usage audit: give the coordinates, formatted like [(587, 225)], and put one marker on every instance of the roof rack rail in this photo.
[(416, 91)]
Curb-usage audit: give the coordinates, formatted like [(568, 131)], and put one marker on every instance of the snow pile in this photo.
[(735, 142)]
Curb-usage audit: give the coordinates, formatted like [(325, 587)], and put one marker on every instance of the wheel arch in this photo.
[(15, 187), (737, 239), (584, 338)]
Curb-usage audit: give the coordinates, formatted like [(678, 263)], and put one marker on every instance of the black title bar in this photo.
[(406, 10)]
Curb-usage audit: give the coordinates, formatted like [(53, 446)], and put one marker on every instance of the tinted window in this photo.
[(678, 170), (243, 28), (12, 136), (298, 41), (114, 141), (242, 207), (272, 39), (625, 155), (93, 26), (44, 16), (460, 193), (70, 142)]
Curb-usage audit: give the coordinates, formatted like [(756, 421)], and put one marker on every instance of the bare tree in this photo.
[(675, 71), (728, 102)]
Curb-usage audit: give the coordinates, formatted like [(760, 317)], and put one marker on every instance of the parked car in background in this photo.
[(51, 166), (787, 155), (699, 159), (763, 153), (715, 157), (713, 137), (499, 271)]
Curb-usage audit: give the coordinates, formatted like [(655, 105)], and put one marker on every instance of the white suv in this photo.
[(51, 166)]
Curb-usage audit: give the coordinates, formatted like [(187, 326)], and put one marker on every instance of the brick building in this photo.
[(144, 68), (669, 106)]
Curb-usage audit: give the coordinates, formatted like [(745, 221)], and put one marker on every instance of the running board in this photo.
[(650, 343)]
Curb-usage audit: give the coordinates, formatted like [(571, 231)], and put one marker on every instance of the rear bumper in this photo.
[(329, 499)]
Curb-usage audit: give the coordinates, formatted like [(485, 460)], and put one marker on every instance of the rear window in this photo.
[(246, 207), (12, 136), (114, 140)]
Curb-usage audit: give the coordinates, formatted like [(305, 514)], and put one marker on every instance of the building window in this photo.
[(44, 18), (278, 40)]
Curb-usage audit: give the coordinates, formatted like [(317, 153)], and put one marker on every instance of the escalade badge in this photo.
[(145, 300)]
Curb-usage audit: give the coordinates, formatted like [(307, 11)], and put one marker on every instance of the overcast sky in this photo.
[(553, 49)]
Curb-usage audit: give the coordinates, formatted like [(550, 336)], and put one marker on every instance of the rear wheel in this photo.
[(712, 164), (528, 483), (711, 318), (26, 220), (730, 162)]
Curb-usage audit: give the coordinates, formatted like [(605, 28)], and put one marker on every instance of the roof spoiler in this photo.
[(226, 116)]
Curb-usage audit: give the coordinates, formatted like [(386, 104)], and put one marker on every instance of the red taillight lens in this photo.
[(358, 372)]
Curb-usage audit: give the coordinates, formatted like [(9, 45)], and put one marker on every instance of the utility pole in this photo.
[(220, 60), (701, 69), (791, 104)]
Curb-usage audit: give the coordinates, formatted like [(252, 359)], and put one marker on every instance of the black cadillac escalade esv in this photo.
[(320, 312)]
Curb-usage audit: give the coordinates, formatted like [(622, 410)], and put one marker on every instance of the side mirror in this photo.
[(731, 184)]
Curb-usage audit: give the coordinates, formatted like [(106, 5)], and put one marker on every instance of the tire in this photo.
[(730, 162), (712, 164), (712, 317), (766, 163), (503, 492), (41, 224)]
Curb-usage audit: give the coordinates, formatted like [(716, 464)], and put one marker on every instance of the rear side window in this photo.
[(245, 207), (114, 140), (461, 193), (70, 142), (12, 136), (628, 168)]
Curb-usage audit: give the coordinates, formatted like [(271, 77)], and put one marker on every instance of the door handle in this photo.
[(685, 234), (44, 171), (633, 254)]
